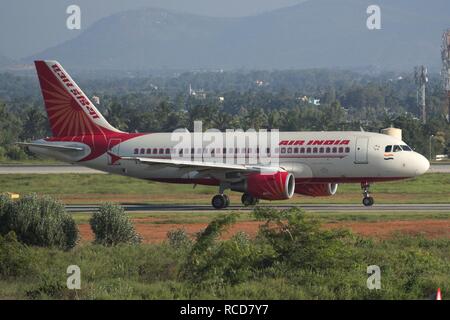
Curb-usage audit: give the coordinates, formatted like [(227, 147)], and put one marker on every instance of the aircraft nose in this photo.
[(422, 164)]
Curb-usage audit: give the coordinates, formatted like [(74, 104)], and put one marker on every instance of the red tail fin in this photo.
[(69, 110)]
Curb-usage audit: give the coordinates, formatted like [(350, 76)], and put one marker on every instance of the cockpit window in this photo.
[(388, 149), (397, 149), (406, 148)]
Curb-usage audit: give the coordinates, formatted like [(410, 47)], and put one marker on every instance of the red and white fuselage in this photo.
[(309, 163)]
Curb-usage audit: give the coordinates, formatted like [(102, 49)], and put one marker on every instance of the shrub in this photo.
[(299, 242), (15, 152), (13, 257), (112, 226), (178, 239), (39, 221), (216, 263)]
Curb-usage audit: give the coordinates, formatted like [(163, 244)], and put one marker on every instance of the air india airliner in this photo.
[(308, 163)]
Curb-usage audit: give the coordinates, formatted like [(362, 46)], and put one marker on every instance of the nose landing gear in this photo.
[(367, 200)]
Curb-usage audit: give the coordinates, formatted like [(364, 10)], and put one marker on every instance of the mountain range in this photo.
[(312, 34)]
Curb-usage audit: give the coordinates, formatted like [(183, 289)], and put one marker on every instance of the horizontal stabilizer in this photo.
[(51, 146)]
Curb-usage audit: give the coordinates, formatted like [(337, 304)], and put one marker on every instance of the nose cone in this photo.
[(421, 164)]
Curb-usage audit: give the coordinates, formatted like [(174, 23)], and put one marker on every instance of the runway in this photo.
[(46, 169), (68, 168), (306, 207)]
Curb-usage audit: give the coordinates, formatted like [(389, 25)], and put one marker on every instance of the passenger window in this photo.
[(347, 149), (302, 150), (314, 150), (142, 151), (283, 150), (136, 151), (289, 150), (334, 150), (308, 150), (397, 149), (388, 149), (328, 150), (341, 150)]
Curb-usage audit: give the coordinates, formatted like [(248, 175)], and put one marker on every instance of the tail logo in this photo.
[(75, 92)]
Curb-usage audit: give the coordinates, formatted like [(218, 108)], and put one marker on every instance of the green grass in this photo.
[(412, 268), (325, 216), (299, 261), (95, 188)]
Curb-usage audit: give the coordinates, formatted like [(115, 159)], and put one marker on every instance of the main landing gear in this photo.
[(249, 200), (367, 200), (220, 201)]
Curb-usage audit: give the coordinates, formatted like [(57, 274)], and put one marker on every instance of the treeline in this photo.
[(286, 100)]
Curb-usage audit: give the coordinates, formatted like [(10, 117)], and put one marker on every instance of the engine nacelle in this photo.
[(274, 186), (317, 190)]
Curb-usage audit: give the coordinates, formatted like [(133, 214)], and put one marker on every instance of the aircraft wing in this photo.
[(200, 166), (51, 146)]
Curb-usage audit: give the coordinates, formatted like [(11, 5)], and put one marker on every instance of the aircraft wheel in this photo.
[(248, 200), (368, 201), (219, 201)]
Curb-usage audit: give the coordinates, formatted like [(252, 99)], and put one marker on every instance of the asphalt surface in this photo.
[(45, 169), (67, 168), (306, 207)]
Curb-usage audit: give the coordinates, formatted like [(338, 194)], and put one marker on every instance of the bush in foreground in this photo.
[(38, 221), (112, 226)]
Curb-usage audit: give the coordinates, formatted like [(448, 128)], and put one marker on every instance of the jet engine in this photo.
[(317, 190), (269, 186)]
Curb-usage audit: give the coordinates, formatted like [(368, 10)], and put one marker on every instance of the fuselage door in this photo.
[(113, 151), (361, 150)]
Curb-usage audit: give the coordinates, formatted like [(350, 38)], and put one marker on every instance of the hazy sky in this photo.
[(27, 27)]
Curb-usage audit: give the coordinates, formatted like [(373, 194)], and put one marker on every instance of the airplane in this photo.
[(309, 163)]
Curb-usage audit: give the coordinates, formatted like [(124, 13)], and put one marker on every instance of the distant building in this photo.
[(96, 99), (310, 100), (201, 94)]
